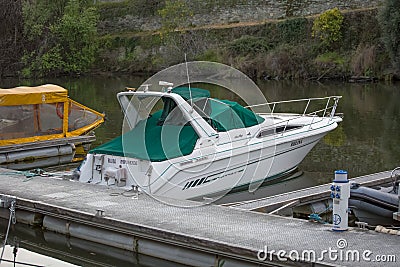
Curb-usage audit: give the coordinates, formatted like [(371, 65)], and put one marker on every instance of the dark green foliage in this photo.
[(389, 19), (360, 28), (249, 45), (293, 30), (64, 38), (40, 14)]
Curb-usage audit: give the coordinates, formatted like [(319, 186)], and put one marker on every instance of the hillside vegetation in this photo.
[(60, 37)]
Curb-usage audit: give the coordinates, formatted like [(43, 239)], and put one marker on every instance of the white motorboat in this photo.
[(181, 143)]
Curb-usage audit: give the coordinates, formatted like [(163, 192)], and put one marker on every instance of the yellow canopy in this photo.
[(29, 114), (24, 95)]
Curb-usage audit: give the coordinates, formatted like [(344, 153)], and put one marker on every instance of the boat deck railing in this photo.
[(329, 104)]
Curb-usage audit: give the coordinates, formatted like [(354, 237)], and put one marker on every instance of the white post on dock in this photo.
[(340, 194), (396, 215)]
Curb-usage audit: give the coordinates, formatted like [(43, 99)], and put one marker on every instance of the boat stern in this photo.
[(114, 170)]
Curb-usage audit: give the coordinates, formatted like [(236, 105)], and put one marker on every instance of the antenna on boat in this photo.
[(188, 79)]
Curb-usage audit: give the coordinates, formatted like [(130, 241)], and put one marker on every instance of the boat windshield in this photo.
[(162, 109)]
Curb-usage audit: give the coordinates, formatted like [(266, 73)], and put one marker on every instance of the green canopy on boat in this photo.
[(150, 141), (155, 139), (227, 115)]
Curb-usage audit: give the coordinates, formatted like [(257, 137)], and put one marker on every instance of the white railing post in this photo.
[(326, 106), (334, 108), (284, 129), (305, 110), (312, 121)]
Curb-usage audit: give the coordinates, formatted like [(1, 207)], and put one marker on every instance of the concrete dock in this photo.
[(207, 235)]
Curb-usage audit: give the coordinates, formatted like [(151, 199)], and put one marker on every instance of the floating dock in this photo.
[(207, 235), (306, 196)]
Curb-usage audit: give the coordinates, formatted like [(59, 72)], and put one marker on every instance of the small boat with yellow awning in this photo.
[(40, 122)]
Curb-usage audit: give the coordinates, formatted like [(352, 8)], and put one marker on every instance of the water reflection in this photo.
[(43, 248)]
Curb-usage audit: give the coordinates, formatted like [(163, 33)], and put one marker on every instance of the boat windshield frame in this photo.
[(181, 110)]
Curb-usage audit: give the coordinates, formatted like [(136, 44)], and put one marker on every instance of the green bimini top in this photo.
[(227, 115), (150, 141), (154, 140)]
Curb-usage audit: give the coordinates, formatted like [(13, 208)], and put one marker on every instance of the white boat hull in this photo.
[(210, 172), (222, 175)]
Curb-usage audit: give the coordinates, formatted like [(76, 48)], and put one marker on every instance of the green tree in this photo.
[(327, 27), (65, 37), (389, 20), (39, 15), (76, 35)]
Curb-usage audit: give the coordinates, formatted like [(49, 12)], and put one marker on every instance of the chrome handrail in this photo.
[(328, 109), (295, 100)]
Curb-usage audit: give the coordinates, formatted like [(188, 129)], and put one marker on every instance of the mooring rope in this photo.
[(316, 216), (13, 220), (29, 175)]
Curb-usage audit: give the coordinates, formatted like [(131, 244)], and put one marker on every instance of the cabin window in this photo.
[(79, 116), (277, 130), (22, 121)]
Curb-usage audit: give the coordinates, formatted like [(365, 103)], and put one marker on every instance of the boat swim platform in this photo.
[(208, 235), (305, 196)]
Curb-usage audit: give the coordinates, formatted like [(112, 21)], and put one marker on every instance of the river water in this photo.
[(367, 140)]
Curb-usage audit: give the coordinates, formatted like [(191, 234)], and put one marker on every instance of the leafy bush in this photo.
[(293, 30), (210, 55), (249, 45), (64, 38), (389, 20), (331, 57), (39, 15), (327, 27)]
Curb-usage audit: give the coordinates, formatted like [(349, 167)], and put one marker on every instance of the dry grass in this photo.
[(363, 60)]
